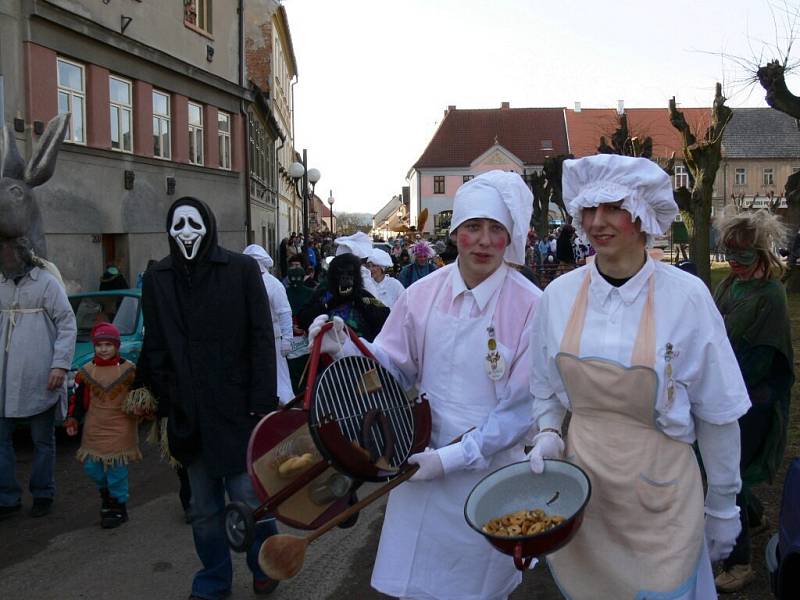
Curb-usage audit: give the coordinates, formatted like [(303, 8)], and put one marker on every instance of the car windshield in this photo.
[(122, 311)]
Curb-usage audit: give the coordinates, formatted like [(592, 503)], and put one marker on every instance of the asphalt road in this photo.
[(67, 556)]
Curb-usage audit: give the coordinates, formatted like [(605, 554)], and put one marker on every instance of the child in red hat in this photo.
[(110, 418)]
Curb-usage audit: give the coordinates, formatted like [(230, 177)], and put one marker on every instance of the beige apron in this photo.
[(642, 534)]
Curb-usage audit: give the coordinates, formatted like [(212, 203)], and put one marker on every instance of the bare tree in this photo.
[(702, 158), (546, 188)]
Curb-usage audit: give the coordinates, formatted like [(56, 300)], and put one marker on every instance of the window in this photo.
[(161, 125), (72, 99), (198, 14), (438, 184), (224, 139), (547, 144), (466, 178), (195, 134), (740, 176), (681, 177), (769, 177), (121, 114)]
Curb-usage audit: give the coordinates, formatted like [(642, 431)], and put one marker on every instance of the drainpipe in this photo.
[(248, 217)]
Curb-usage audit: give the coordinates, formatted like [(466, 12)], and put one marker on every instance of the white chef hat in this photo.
[(644, 188), (498, 195), (380, 258), (262, 257), (358, 244)]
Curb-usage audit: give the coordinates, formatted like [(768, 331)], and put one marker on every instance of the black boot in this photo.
[(104, 506), (116, 515)]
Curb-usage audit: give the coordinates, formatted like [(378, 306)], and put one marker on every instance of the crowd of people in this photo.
[(636, 356)]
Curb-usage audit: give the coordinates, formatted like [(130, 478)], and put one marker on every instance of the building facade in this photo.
[(157, 113), (472, 141)]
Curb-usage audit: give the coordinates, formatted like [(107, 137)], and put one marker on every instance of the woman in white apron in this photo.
[(460, 335), (281, 312), (635, 349)]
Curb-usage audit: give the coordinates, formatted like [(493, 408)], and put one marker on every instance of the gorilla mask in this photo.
[(188, 229), (344, 276)]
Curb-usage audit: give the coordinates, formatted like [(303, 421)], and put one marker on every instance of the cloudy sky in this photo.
[(375, 76)]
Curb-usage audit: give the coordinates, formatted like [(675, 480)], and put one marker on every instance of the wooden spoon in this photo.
[(282, 555)]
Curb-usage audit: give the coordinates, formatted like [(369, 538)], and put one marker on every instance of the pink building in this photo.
[(471, 141)]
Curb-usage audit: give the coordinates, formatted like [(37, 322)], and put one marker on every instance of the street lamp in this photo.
[(332, 223), (312, 176)]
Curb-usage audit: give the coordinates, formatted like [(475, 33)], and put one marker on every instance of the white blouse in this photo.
[(389, 289), (707, 381)]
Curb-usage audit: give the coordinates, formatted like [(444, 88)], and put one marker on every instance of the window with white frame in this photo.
[(681, 176), (72, 99), (195, 134), (198, 14), (224, 139), (121, 95), (769, 176), (740, 176), (466, 178), (161, 125), (547, 144)]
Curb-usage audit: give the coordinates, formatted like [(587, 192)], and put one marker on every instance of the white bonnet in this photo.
[(380, 258), (644, 188), (358, 244), (502, 196), (262, 257)]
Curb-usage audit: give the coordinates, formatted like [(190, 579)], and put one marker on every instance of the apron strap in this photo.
[(571, 342), (644, 349)]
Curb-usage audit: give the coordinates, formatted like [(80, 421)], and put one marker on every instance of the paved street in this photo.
[(66, 556)]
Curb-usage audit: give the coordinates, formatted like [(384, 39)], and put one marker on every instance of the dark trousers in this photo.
[(755, 426)]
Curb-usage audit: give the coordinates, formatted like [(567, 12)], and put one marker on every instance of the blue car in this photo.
[(119, 307)]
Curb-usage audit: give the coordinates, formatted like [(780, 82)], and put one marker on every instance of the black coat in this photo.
[(209, 356)]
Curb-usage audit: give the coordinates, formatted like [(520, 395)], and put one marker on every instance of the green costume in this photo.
[(299, 295), (757, 321)]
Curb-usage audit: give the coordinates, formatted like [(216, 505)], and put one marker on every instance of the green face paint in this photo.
[(743, 257)]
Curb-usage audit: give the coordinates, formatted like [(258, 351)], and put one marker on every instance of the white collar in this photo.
[(482, 292), (629, 291), (33, 274)]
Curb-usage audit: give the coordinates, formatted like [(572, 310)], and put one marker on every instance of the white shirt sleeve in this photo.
[(395, 346), (545, 382), (280, 308)]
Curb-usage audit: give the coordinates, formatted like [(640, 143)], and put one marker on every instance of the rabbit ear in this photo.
[(13, 165), (43, 161)]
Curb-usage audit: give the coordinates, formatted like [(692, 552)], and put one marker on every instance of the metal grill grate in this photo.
[(345, 395)]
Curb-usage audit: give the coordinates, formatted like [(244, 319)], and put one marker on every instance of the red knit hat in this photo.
[(105, 332)]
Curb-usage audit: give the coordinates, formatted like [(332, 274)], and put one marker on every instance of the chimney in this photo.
[(621, 107), (577, 107), (450, 108), (505, 105)]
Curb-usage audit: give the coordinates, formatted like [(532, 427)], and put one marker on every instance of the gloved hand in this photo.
[(286, 347), (721, 536), (430, 465), (546, 444), (333, 341)]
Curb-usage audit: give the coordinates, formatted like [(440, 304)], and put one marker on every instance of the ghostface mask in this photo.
[(187, 229)]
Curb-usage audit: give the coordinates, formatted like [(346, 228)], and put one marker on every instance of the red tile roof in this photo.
[(586, 127), (465, 134)]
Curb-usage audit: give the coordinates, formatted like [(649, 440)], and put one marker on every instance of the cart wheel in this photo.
[(240, 526)]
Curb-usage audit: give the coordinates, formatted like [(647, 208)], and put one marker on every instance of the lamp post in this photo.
[(332, 222), (312, 176)]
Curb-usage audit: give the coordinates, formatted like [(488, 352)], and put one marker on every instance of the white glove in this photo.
[(333, 340), (546, 444), (430, 465), (721, 536), (286, 347)]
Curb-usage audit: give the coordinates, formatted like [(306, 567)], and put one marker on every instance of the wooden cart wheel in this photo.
[(240, 526)]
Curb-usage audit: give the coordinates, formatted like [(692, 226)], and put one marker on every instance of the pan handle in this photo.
[(519, 562), (388, 437)]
